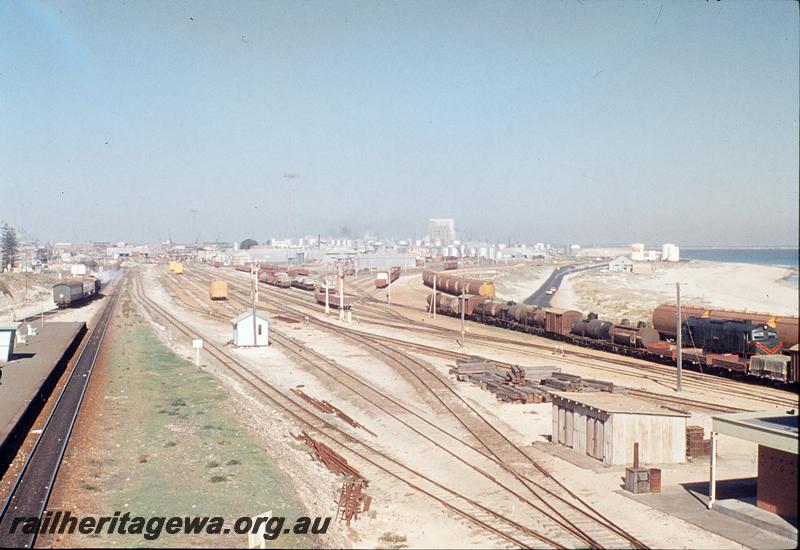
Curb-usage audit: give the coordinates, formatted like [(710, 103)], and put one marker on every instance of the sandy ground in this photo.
[(17, 302), (617, 295), (396, 507)]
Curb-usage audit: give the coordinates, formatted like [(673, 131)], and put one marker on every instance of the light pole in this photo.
[(679, 334)]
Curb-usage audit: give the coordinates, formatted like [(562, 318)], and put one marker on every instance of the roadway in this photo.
[(541, 298)]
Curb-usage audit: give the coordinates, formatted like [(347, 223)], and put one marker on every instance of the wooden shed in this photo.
[(606, 425)]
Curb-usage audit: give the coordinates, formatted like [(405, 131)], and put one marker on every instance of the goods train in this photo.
[(383, 279), (71, 293), (450, 264), (457, 284), (740, 346)]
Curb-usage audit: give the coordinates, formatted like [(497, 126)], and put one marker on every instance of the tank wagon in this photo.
[(384, 279), (71, 293), (457, 285), (219, 290), (741, 347), (664, 320)]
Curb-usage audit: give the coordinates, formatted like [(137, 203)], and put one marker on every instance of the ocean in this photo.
[(784, 257)]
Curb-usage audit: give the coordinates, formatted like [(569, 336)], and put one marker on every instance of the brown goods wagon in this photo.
[(664, 320), (664, 349), (333, 299), (219, 290), (729, 361), (559, 321)]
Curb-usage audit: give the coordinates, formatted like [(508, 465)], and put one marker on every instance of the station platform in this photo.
[(688, 502), (28, 379)]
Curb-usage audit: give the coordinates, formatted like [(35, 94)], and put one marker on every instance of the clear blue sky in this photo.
[(604, 122)]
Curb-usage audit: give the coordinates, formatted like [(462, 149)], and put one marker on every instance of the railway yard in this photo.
[(368, 418)]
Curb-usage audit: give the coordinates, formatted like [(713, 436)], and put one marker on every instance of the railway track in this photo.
[(509, 529), (31, 490), (661, 374), (547, 496)]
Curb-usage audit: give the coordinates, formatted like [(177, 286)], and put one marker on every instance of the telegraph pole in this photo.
[(679, 334), (341, 293), (254, 272), (463, 305), (434, 295)]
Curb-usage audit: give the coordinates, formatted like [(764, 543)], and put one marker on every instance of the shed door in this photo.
[(562, 424), (599, 432), (569, 426), (590, 436)]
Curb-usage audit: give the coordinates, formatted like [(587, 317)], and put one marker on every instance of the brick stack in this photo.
[(695, 446)]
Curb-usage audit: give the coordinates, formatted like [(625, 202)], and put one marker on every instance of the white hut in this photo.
[(243, 333)]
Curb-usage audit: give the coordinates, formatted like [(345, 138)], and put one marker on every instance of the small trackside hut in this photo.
[(605, 426), (244, 332)]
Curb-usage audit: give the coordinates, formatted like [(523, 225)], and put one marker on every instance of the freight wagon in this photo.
[(450, 264), (303, 283), (71, 293), (281, 280), (219, 290), (334, 299), (384, 279), (457, 284)]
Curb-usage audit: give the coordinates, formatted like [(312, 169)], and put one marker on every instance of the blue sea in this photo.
[(783, 257)]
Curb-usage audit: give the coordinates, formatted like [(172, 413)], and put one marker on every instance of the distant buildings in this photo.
[(621, 264), (441, 230), (669, 253)]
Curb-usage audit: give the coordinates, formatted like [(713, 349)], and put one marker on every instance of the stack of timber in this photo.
[(515, 385), (573, 383)]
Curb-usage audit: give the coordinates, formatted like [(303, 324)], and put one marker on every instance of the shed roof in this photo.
[(616, 403), (246, 315), (622, 260), (774, 429)]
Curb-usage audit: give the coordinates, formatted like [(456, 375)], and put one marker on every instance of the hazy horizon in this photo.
[(560, 122)]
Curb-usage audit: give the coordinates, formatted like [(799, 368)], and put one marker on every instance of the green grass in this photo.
[(173, 446)]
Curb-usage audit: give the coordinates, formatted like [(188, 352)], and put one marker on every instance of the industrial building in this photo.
[(605, 426), (245, 335), (775, 434), (441, 230), (621, 264)]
